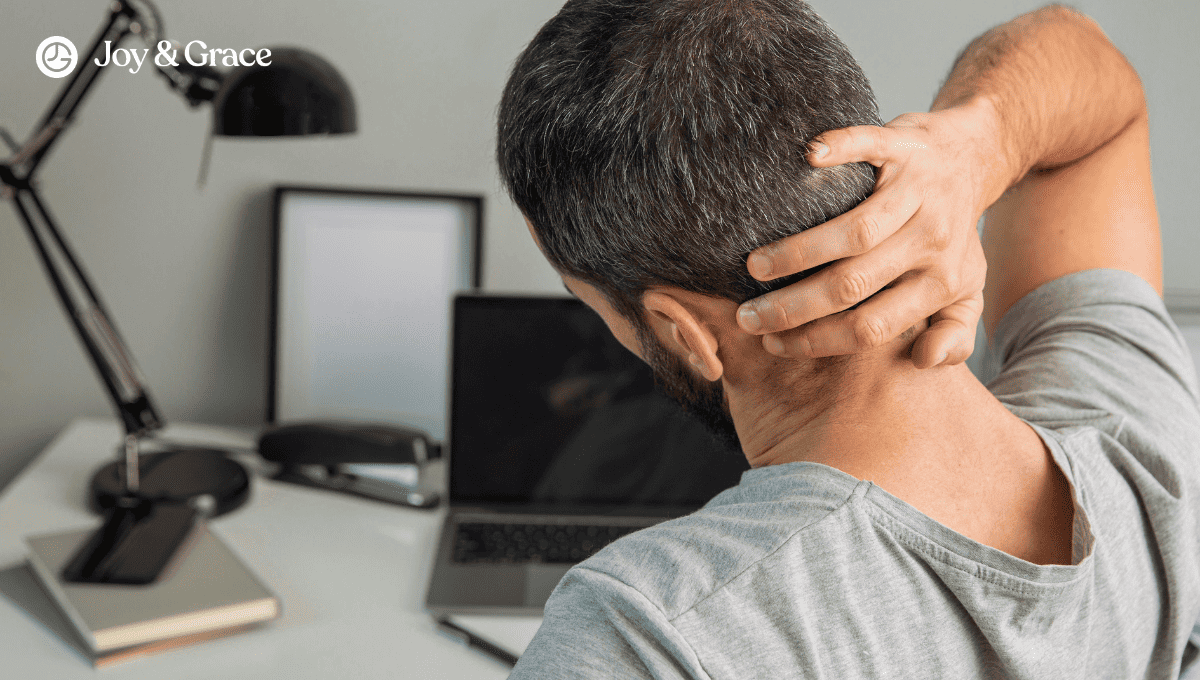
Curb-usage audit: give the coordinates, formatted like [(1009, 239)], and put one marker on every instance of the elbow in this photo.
[(1057, 11), (1093, 39)]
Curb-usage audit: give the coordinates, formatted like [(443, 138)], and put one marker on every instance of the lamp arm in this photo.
[(103, 344), (197, 84), (120, 22), (80, 300)]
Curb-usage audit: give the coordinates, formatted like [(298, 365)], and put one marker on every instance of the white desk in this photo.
[(351, 574)]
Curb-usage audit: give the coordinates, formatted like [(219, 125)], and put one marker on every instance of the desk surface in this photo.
[(351, 574)]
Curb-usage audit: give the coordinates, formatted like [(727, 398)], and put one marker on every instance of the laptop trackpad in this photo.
[(540, 580)]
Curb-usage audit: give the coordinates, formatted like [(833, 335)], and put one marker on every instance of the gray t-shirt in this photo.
[(802, 571)]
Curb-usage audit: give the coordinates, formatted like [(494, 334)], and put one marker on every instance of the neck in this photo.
[(878, 413), (935, 438), (913, 432)]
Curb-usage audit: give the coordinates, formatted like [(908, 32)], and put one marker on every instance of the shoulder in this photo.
[(679, 563), (597, 627), (625, 611)]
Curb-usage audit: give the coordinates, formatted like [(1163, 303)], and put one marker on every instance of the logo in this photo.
[(57, 56), (168, 55)]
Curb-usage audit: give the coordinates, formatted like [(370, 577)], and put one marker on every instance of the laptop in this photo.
[(559, 443)]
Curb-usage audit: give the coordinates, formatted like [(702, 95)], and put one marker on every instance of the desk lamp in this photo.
[(151, 502)]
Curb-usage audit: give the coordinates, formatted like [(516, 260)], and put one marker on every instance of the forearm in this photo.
[(1053, 85)]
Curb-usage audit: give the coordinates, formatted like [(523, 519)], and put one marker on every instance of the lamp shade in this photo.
[(298, 93)]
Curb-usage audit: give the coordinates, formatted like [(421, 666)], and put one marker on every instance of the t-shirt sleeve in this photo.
[(595, 626), (1093, 344)]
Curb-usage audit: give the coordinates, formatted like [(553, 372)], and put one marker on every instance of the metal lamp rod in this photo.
[(80, 299)]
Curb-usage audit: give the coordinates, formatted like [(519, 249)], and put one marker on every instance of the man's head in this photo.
[(652, 144)]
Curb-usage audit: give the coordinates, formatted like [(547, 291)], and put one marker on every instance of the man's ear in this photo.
[(684, 333)]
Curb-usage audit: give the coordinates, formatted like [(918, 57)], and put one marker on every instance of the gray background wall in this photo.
[(184, 271)]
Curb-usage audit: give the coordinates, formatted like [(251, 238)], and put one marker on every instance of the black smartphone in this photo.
[(135, 545)]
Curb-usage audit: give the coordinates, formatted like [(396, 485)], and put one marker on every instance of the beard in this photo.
[(700, 398)]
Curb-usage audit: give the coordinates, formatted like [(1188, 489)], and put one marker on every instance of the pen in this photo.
[(472, 640)]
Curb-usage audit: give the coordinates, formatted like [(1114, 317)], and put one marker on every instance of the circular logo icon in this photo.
[(57, 56)]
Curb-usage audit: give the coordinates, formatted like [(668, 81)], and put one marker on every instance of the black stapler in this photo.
[(377, 461)]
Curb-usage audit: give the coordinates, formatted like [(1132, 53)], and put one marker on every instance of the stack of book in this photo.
[(206, 593)]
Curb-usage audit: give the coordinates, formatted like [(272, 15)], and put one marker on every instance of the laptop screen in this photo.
[(548, 409)]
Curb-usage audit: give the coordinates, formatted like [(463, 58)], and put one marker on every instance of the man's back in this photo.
[(805, 571), (883, 529)]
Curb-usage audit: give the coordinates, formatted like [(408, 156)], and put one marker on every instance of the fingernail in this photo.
[(817, 149), (773, 345), (759, 266), (805, 346), (748, 320)]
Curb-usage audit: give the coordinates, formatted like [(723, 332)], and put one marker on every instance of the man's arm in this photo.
[(1072, 124), (1043, 120)]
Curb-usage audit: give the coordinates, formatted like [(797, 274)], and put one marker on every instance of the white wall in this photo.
[(184, 270)]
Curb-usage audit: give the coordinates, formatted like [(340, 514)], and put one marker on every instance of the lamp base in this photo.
[(176, 476)]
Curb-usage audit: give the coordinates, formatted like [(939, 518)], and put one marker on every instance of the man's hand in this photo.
[(911, 247)]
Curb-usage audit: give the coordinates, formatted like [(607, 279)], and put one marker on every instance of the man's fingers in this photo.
[(950, 338), (874, 323), (945, 343), (833, 289), (869, 143), (852, 233)]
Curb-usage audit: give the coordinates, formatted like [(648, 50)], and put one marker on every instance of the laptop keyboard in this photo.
[(548, 543)]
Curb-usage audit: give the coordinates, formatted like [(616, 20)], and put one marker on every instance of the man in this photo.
[(900, 520)]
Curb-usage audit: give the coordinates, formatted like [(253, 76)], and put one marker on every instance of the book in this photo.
[(207, 593)]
